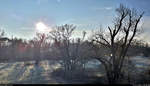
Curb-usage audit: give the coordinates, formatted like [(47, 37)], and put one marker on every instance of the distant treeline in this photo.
[(21, 50)]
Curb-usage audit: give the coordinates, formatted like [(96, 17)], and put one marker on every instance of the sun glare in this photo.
[(41, 27)]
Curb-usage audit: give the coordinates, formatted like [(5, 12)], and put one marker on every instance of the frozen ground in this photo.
[(141, 61), (29, 73), (20, 72)]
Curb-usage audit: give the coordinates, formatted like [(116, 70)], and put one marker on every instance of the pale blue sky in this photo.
[(18, 17)]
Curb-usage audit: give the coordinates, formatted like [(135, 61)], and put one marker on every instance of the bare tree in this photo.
[(39, 42), (117, 41), (61, 36), (69, 48)]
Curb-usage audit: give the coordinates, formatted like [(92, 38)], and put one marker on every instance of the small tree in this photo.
[(117, 41)]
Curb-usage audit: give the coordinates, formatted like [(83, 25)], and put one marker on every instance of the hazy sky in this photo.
[(19, 17)]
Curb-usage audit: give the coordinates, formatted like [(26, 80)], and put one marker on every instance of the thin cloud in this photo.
[(108, 8), (102, 8), (68, 21), (27, 28)]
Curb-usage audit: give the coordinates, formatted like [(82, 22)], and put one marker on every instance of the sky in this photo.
[(19, 17)]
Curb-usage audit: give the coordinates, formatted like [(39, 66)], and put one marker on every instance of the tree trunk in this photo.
[(113, 77)]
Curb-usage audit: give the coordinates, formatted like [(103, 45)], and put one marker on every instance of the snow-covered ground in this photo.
[(141, 61), (20, 72)]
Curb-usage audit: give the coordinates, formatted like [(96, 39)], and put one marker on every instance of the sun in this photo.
[(41, 27)]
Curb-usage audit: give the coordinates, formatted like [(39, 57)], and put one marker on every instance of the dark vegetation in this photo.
[(109, 48)]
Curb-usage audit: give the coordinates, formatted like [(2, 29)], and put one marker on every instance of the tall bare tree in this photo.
[(117, 41)]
